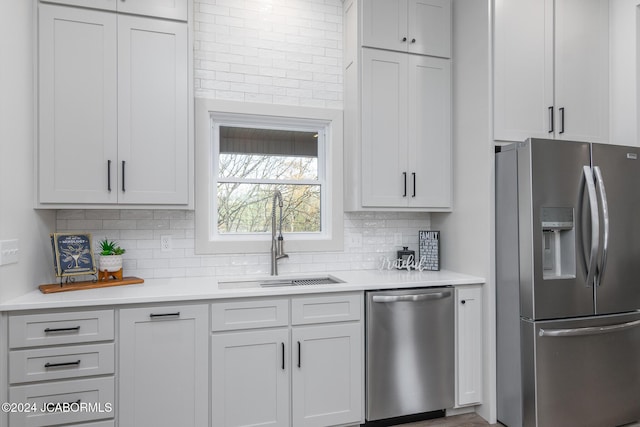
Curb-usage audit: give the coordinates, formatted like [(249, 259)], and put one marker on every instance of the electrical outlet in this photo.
[(397, 239), (355, 240), (165, 244), (9, 251)]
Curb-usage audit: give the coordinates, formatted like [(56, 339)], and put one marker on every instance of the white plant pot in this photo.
[(110, 263)]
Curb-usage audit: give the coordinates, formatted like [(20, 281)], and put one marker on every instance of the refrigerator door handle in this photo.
[(595, 224), (605, 221), (594, 330)]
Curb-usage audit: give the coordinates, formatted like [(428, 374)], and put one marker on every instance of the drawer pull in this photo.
[(54, 330), (161, 315), (58, 365)]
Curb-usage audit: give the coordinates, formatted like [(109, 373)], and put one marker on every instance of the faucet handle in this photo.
[(280, 248)]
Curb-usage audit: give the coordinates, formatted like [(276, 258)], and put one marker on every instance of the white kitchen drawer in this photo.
[(54, 363), (261, 313), (326, 309), (90, 399), (30, 330)]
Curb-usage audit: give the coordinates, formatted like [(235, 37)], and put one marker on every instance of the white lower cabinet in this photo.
[(250, 378), (288, 375), (163, 371), (327, 374), (469, 345)]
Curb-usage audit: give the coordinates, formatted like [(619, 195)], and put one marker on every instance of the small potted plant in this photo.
[(110, 255)]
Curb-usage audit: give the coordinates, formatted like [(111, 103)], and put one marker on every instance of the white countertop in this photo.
[(208, 288)]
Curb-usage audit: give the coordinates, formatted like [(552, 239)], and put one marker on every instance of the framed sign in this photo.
[(72, 254), (429, 250)]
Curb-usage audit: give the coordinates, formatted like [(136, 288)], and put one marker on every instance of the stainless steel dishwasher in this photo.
[(410, 352)]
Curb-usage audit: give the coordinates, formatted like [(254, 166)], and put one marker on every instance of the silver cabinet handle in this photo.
[(411, 298), (595, 224), (605, 223), (593, 330)]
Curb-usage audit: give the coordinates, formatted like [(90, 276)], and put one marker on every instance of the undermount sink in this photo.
[(307, 281), (278, 282)]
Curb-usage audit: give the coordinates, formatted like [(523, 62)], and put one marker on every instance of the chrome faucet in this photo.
[(277, 244)]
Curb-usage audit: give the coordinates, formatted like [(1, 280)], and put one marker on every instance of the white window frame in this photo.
[(210, 111)]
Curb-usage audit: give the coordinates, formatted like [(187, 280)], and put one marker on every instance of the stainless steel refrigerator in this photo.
[(568, 284)]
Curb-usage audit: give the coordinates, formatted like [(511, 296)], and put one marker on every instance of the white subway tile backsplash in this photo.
[(141, 239)]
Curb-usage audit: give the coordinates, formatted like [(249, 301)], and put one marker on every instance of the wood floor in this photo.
[(464, 420)]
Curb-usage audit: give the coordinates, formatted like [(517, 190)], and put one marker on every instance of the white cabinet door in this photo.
[(384, 24), (582, 70), (429, 132), (250, 378), (77, 105), (384, 129), (468, 345), (523, 69), (164, 366), (152, 111), (327, 374), (429, 23)]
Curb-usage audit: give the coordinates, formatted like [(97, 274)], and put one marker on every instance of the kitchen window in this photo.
[(244, 152)]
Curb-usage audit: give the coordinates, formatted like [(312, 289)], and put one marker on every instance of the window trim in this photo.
[(331, 240)]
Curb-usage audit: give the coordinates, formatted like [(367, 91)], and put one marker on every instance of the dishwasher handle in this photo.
[(411, 298)]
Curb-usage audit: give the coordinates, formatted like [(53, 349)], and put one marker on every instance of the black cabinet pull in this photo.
[(404, 39), (414, 184), (123, 190), (282, 356), (58, 365), (463, 302), (163, 315), (299, 355), (404, 175), (413, 40), (561, 109), (109, 176), (54, 330), (550, 119)]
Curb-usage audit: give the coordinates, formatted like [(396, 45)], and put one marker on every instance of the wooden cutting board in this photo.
[(76, 286)]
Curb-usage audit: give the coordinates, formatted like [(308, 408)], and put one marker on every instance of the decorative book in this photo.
[(72, 254)]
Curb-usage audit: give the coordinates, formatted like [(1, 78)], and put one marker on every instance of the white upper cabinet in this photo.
[(406, 154), (414, 26), (551, 69), (113, 109), (168, 9), (397, 107)]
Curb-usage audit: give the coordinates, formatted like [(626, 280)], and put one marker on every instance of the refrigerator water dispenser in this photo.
[(558, 243)]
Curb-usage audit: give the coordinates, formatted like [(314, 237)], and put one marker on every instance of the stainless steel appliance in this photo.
[(568, 284), (410, 352)]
